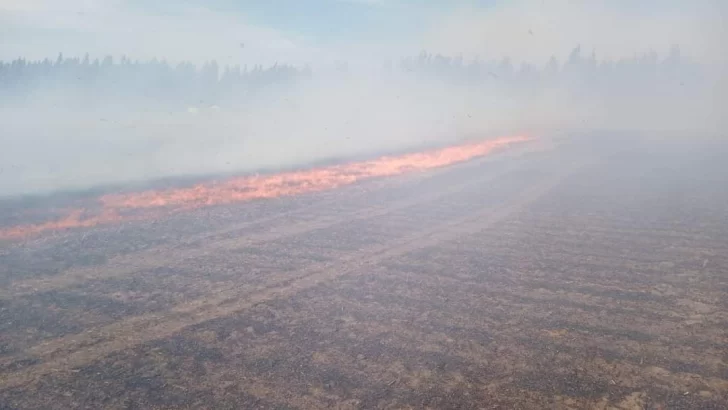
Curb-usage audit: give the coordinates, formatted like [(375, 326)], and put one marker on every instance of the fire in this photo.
[(115, 208)]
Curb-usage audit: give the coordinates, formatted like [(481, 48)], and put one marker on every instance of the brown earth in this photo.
[(573, 278)]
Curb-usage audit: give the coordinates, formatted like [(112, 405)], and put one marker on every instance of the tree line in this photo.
[(91, 80)]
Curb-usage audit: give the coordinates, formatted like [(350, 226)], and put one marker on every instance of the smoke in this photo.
[(50, 146), (487, 72)]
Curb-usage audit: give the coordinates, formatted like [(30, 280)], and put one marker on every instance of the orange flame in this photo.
[(258, 187)]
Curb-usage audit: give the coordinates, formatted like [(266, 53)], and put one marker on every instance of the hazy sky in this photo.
[(315, 31)]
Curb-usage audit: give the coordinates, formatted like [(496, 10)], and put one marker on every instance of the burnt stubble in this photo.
[(569, 278)]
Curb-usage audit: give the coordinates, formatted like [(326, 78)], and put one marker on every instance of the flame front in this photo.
[(113, 207)]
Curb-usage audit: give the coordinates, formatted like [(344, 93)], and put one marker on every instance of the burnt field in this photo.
[(570, 278)]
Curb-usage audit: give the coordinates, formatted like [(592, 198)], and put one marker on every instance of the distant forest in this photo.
[(90, 81)]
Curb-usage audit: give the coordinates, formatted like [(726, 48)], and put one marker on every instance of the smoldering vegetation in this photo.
[(76, 123)]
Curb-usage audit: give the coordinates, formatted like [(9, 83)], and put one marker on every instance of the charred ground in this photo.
[(561, 279)]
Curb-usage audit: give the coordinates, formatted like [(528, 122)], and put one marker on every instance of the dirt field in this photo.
[(575, 278)]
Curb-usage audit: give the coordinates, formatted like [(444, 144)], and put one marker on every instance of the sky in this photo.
[(357, 31)]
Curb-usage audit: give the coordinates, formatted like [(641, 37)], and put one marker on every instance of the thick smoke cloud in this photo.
[(75, 123)]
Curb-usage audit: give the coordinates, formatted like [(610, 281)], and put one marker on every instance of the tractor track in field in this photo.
[(68, 352)]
